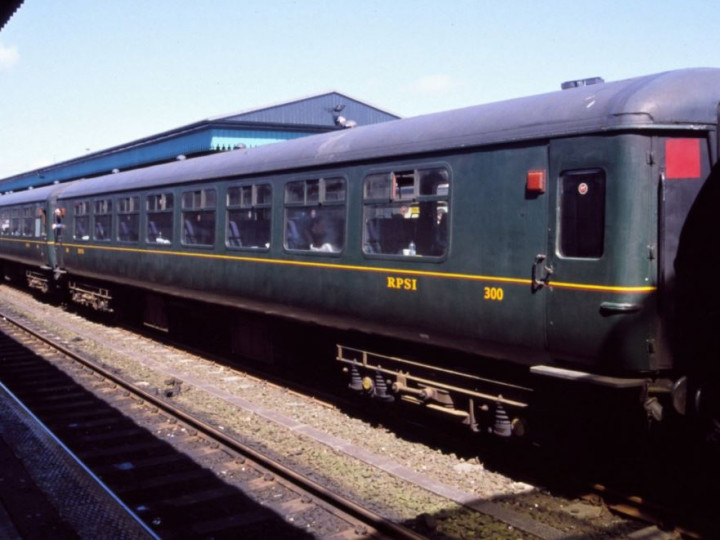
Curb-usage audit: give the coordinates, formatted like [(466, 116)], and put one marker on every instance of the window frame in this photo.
[(200, 209), (256, 206), (385, 200), (313, 208), (102, 208), (27, 221), (5, 223), (159, 209), (84, 204), (132, 210), (16, 221), (579, 253), (40, 225)]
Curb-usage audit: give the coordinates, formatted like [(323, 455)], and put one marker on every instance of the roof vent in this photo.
[(581, 82), (341, 121)]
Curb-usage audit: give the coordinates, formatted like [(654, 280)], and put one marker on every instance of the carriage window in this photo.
[(11, 225), (40, 219), (582, 214), (249, 215), (102, 211), (81, 230), (315, 215), (198, 217), (27, 220), (128, 209), (5, 222), (15, 222), (160, 218), (406, 213)]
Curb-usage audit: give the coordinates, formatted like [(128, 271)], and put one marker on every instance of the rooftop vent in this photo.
[(581, 82), (341, 121)]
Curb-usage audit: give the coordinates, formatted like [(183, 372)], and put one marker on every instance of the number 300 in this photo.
[(494, 293)]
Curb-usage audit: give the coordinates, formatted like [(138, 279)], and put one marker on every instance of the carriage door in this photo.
[(588, 213), (56, 234)]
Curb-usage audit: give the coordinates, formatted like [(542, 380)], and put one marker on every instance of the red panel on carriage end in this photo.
[(535, 182), (682, 158)]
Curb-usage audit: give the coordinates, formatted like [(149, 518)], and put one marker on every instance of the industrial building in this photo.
[(298, 118)]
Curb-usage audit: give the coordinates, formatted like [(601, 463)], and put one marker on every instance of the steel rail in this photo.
[(381, 524)]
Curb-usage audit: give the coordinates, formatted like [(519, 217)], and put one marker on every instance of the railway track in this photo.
[(165, 488), (419, 495), (178, 382), (46, 492)]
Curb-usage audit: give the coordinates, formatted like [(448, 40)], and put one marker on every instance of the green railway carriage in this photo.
[(539, 233), (23, 229)]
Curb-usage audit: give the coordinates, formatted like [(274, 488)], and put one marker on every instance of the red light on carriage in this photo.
[(535, 182), (682, 158)]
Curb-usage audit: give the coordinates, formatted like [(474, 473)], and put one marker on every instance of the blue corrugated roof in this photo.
[(319, 110)]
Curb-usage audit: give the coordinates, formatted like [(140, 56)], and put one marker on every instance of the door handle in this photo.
[(539, 282), (611, 308)]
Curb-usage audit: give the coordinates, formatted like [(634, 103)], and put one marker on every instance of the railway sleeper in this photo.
[(479, 403)]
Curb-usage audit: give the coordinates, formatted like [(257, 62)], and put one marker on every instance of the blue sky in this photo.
[(83, 75)]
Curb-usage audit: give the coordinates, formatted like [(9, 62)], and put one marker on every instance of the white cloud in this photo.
[(8, 56)]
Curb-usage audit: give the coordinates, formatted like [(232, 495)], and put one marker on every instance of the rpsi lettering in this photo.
[(405, 284)]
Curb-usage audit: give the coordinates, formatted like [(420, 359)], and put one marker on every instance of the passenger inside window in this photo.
[(103, 220), (319, 229), (160, 218), (414, 222), (315, 215), (249, 216)]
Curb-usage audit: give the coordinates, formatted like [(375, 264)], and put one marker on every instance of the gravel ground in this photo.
[(286, 425)]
